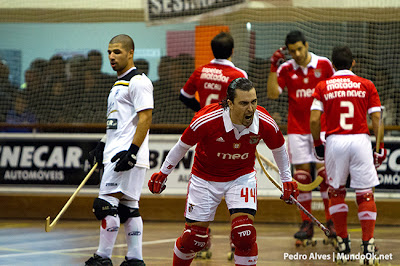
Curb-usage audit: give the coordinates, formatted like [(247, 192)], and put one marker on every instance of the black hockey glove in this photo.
[(125, 159), (319, 150), (96, 155)]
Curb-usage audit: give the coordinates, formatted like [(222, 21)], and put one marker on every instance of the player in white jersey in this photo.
[(226, 135), (124, 151), (346, 99)]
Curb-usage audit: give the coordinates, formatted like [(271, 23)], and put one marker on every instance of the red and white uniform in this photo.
[(211, 81), (300, 83), (346, 99), (224, 160)]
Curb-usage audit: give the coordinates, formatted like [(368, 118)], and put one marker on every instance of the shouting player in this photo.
[(226, 135), (126, 156), (300, 75), (211, 81), (346, 99)]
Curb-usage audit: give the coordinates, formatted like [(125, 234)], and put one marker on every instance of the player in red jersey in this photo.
[(346, 99), (300, 75), (211, 81), (226, 135)]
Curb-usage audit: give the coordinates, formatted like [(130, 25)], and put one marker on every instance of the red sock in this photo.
[(339, 209), (177, 261), (305, 199), (247, 257), (323, 188), (366, 214)]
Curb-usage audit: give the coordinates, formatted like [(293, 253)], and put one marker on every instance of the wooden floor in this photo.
[(25, 242)]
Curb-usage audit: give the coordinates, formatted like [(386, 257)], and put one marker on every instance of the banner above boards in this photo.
[(170, 9)]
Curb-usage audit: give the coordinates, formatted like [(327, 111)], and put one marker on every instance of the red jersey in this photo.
[(222, 153), (346, 99), (211, 81), (300, 83)]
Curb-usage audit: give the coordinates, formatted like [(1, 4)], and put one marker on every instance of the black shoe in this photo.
[(96, 260), (132, 262), (306, 230)]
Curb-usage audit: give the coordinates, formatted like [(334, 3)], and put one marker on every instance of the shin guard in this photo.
[(366, 212), (323, 189), (338, 210), (304, 177), (243, 236), (193, 239)]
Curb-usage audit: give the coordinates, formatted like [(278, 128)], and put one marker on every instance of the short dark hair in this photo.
[(295, 36), (125, 40), (342, 57), (243, 84), (222, 45)]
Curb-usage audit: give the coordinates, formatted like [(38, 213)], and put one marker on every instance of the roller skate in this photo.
[(304, 237), (331, 239), (343, 248), (231, 254), (370, 251), (205, 253)]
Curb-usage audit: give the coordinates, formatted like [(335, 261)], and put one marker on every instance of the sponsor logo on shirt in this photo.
[(304, 93), (213, 74), (112, 123), (235, 156)]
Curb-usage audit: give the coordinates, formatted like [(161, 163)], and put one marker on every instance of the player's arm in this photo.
[(190, 102), (315, 127), (289, 185), (378, 129), (157, 182), (272, 84), (126, 159)]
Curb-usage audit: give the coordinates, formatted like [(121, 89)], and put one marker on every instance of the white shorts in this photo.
[(204, 196), (350, 154), (129, 182), (301, 148)]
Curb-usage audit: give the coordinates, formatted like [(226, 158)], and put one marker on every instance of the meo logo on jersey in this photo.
[(112, 123)]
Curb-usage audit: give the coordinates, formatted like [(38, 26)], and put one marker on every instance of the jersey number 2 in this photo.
[(244, 193), (348, 114)]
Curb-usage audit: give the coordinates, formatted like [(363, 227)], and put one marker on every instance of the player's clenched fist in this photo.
[(157, 182), (289, 189), (277, 59)]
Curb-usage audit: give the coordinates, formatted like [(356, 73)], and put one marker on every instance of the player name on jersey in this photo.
[(347, 93)]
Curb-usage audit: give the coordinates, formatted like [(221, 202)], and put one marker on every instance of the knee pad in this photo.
[(364, 196), (243, 233), (125, 212), (336, 193), (102, 208), (302, 176), (193, 239)]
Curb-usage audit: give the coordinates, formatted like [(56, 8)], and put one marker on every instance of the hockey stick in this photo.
[(48, 227), (298, 204), (300, 186)]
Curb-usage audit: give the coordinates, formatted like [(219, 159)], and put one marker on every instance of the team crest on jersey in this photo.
[(254, 139), (317, 73), (236, 145), (191, 206)]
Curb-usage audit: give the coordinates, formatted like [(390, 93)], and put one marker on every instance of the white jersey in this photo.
[(131, 93)]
